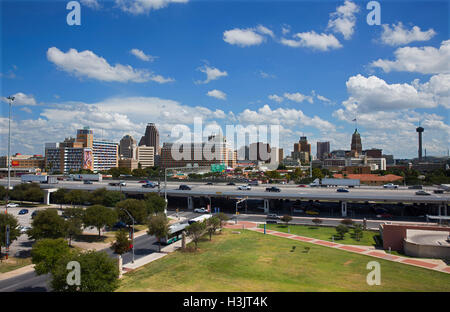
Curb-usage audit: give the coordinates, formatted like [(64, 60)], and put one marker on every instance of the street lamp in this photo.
[(132, 235), (11, 99)]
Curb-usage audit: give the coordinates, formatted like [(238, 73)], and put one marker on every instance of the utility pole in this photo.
[(11, 99)]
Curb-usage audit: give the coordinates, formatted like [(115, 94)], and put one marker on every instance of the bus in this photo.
[(200, 218), (175, 233)]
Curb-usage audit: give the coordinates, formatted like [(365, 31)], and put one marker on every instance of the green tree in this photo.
[(106, 198), (212, 224), (122, 243), (317, 173), (48, 224), (195, 231), (14, 233), (137, 208), (46, 253), (76, 197), (341, 229), (99, 216), (223, 218), (286, 219), (2, 192), (154, 203), (99, 273), (59, 197), (158, 226), (73, 228), (358, 231)]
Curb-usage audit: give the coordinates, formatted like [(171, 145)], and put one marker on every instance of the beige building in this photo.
[(145, 156), (23, 161), (128, 163)]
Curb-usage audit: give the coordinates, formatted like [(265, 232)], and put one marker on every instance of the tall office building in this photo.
[(85, 136), (105, 154), (145, 156), (304, 145), (356, 146), (127, 147), (323, 149), (151, 137)]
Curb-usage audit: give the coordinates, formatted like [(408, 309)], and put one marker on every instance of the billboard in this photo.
[(88, 162)]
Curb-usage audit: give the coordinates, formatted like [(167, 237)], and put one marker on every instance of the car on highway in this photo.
[(184, 187), (415, 187), (390, 186), (313, 212), (422, 193), (87, 182), (200, 210), (253, 183), (273, 189), (23, 211), (342, 190), (231, 183), (244, 188), (149, 185), (143, 181), (301, 185), (209, 183), (12, 205), (438, 191), (272, 216)]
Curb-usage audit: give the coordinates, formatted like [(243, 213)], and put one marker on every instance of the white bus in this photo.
[(175, 233), (200, 218)]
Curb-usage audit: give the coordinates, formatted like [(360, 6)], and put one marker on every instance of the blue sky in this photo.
[(309, 66)]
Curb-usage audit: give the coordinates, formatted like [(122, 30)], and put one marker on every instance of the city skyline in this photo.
[(295, 67)]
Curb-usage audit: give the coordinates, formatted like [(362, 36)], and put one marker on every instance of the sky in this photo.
[(311, 67)]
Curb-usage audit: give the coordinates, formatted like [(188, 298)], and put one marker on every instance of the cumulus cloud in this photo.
[(298, 97), (276, 98), (93, 4), (88, 64), (425, 60), (137, 7), (265, 31), (142, 56), (212, 73), (22, 99), (217, 94), (322, 42), (243, 37), (343, 20), (399, 35)]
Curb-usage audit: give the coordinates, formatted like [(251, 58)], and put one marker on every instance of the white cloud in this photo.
[(438, 86), (212, 73), (265, 31), (142, 56), (343, 20), (26, 110), (425, 60), (88, 64), (93, 4), (298, 97), (217, 94), (243, 37), (322, 42), (144, 6), (285, 29), (22, 99), (399, 35), (322, 98), (276, 98), (266, 75)]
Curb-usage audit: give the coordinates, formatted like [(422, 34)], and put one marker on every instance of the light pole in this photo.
[(11, 99), (132, 235)]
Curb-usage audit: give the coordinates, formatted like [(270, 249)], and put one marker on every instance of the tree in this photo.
[(358, 231), (137, 209), (99, 216), (286, 219), (212, 225), (158, 226), (14, 233), (196, 231), (73, 228), (48, 224), (317, 173), (223, 218), (154, 203), (76, 197), (2, 192), (317, 221), (47, 252), (122, 243), (59, 197), (341, 229), (27, 192), (104, 197), (99, 273)]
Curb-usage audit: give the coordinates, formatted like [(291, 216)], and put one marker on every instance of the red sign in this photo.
[(14, 163)]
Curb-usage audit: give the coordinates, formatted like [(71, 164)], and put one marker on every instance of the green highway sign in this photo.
[(218, 167)]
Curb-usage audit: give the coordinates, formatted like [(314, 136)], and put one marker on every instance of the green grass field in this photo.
[(13, 264), (324, 233), (253, 261)]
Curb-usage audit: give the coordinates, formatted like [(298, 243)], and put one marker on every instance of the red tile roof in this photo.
[(371, 177)]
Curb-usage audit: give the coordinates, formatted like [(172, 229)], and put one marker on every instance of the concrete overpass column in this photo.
[(344, 208), (190, 202), (266, 206), (46, 197)]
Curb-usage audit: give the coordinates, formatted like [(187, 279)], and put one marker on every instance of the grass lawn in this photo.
[(325, 233), (253, 261), (13, 263)]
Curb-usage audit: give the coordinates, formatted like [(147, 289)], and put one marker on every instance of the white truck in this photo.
[(86, 177), (335, 182), (38, 178)]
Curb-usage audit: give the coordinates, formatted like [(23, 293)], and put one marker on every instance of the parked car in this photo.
[(385, 215), (231, 183), (184, 187), (342, 190), (24, 229), (23, 211), (415, 187), (422, 193), (200, 210), (12, 205), (272, 216), (87, 182), (120, 225), (271, 221), (244, 188), (122, 183), (273, 189), (390, 186), (313, 212)]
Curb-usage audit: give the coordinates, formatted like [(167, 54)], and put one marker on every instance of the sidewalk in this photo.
[(432, 264), (19, 271)]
